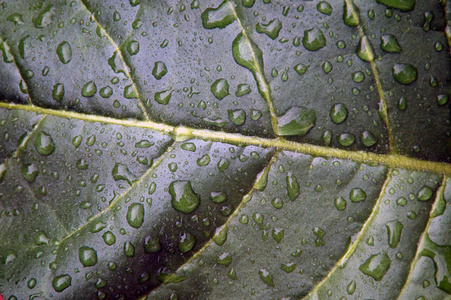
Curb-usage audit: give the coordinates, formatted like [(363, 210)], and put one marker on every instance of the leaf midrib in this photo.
[(183, 133)]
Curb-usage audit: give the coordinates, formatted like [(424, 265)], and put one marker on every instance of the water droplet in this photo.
[(220, 88), (97, 226), (129, 249), (89, 89), (438, 46), (2, 171), (87, 256), (319, 236), (394, 229), (62, 282), (351, 287), (292, 187), (327, 67), (44, 144), (237, 116), (58, 92), (389, 43), (346, 139), (186, 242), (338, 113), (82, 164), (351, 14), (266, 277), (278, 234), (16, 18), (76, 141), (358, 76), (365, 49), (271, 29), (204, 160), (217, 197), (121, 172), (340, 203), (243, 89), (91, 140), (135, 215), (404, 5), (224, 259), (324, 7), (184, 199), (405, 73), (368, 139), (159, 70), (247, 54), (277, 203), (163, 97), (133, 47), (425, 193), (313, 39), (220, 236), (106, 92), (376, 265), (219, 17), (152, 244), (296, 121), (109, 238), (289, 267), (357, 195), (29, 172), (428, 17), (301, 68), (144, 144), (64, 52), (223, 164), (442, 99)]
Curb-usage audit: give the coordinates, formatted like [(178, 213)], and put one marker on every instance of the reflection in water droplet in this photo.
[(367, 138), (376, 265), (357, 195), (87, 256), (351, 14), (163, 97), (292, 187), (365, 49), (186, 242), (109, 238), (324, 7), (159, 70), (58, 92), (301, 68), (135, 215), (62, 282), (338, 113), (184, 199), (346, 139), (296, 121), (89, 89), (237, 116), (394, 229), (340, 203), (425, 193), (220, 88)]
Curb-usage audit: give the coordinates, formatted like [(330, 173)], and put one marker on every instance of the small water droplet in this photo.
[(224, 259), (163, 97), (338, 113), (129, 249), (292, 187), (324, 7), (357, 195), (319, 236), (358, 76), (266, 277), (394, 229), (220, 88), (64, 52), (340, 203), (351, 287), (301, 68), (159, 70), (404, 5), (30, 172), (184, 199), (346, 139), (219, 17), (367, 138), (237, 116), (44, 144), (389, 43), (243, 89), (186, 242), (277, 203), (89, 89), (58, 92), (327, 67), (133, 47), (365, 49), (152, 244), (218, 197), (61, 282), (425, 193), (109, 238), (121, 172), (278, 234), (442, 99), (204, 160), (135, 215)]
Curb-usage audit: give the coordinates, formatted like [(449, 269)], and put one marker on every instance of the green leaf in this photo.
[(225, 149)]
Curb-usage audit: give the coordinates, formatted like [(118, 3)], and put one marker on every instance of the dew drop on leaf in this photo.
[(405, 73), (224, 259), (271, 29), (186, 242), (184, 199), (266, 277), (87, 256), (44, 144), (109, 238), (296, 121), (346, 139), (365, 49), (324, 7), (292, 187), (152, 244), (389, 43), (338, 113), (314, 39), (220, 88), (425, 193), (89, 89), (340, 203), (163, 97), (376, 265), (29, 172), (394, 229), (159, 70), (64, 52), (351, 14), (61, 282), (58, 92), (219, 17), (135, 215), (129, 249)]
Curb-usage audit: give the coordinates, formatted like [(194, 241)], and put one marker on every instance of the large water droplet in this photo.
[(163, 97), (61, 282), (218, 197), (152, 244), (135, 215), (58, 92), (389, 43), (301, 68), (266, 277), (346, 139), (338, 113), (64, 52), (351, 287), (184, 199), (220, 88), (278, 234), (219, 17), (89, 89), (292, 187), (357, 195), (121, 172), (404, 5), (376, 265), (340, 203), (313, 39), (224, 259), (324, 7), (129, 249), (237, 116), (109, 238), (159, 70), (29, 172), (87, 256), (44, 144), (220, 236), (271, 29), (365, 49), (394, 229), (368, 139), (425, 193), (133, 47), (296, 121), (351, 14), (405, 73), (186, 242)]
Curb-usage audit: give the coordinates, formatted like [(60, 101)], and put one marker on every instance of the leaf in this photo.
[(208, 149)]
